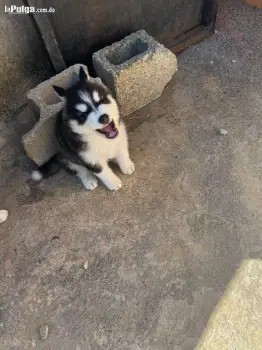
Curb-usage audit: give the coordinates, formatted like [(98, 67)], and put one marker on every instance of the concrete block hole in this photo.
[(128, 50)]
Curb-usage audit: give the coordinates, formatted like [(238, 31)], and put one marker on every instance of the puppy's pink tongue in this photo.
[(110, 131)]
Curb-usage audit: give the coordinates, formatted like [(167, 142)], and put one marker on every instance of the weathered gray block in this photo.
[(136, 69), (44, 95), (40, 143)]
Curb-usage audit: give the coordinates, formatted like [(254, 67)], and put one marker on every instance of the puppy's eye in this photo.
[(82, 117)]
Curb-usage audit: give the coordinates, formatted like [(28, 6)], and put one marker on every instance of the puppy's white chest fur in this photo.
[(101, 149)]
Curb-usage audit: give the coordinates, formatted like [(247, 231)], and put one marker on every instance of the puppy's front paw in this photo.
[(113, 183), (128, 168), (90, 183)]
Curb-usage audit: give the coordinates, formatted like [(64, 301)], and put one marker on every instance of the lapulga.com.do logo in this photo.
[(13, 9)]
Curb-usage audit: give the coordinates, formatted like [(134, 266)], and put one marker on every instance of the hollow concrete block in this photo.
[(44, 95), (136, 69), (40, 142)]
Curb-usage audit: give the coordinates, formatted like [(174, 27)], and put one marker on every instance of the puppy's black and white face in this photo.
[(90, 106)]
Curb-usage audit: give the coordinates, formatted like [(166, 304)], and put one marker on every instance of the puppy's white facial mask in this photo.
[(96, 106)]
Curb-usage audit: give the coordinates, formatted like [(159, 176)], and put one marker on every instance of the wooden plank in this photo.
[(190, 38), (44, 28)]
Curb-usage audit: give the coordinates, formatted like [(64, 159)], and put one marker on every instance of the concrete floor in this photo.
[(161, 251), (235, 322)]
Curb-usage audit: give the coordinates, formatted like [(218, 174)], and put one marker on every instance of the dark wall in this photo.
[(23, 59), (83, 26)]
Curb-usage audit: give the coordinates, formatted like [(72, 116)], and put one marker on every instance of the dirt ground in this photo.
[(159, 253)]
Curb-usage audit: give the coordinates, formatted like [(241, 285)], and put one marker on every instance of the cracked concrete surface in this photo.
[(160, 251)]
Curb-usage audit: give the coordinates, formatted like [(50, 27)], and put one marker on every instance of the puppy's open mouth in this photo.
[(110, 131)]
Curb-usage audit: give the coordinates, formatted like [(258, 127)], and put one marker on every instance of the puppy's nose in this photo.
[(103, 119)]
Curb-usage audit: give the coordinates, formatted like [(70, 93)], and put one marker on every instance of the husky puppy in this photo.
[(90, 133)]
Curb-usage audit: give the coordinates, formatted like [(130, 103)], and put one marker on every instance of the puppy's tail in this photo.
[(49, 168)]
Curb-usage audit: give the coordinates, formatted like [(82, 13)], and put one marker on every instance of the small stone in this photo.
[(43, 331), (2, 125), (211, 62), (233, 61), (3, 215), (222, 132), (2, 141), (215, 31), (86, 265)]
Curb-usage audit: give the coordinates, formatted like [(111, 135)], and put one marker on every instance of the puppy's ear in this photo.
[(82, 75), (98, 81), (59, 90)]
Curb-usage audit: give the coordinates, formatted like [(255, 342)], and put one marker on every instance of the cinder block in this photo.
[(136, 69), (43, 95), (40, 142)]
